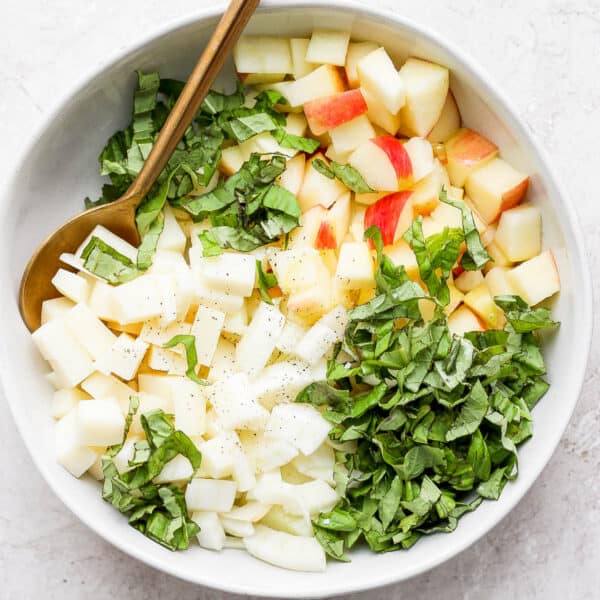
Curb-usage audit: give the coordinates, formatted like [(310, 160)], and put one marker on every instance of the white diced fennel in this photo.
[(284, 550), (235, 403), (96, 470), (210, 495), (266, 454), (101, 422), (68, 357), (54, 380), (299, 424), (219, 454), (99, 385), (207, 327), (236, 528), (278, 519), (230, 272), (123, 358), (172, 236), (55, 308), (316, 343), (290, 337), (178, 469), (283, 381), (258, 342), (318, 465), (211, 535), (252, 511), (71, 285), (234, 543), (70, 452), (114, 241), (89, 331), (64, 400)]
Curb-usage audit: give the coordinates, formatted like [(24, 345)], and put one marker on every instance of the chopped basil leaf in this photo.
[(147, 248), (295, 142), (347, 174), (266, 281), (189, 343), (104, 261), (210, 246)]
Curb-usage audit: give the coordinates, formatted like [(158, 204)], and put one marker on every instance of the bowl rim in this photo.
[(515, 123)]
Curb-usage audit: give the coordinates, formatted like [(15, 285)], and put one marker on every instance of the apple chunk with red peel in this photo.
[(310, 223), (519, 233), (420, 153), (330, 112), (393, 214), (426, 86), (536, 279), (463, 320), (384, 164), (495, 187), (427, 192), (317, 188), (334, 225), (448, 123), (466, 151)]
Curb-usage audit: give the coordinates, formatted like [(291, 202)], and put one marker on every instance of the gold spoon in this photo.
[(119, 216)]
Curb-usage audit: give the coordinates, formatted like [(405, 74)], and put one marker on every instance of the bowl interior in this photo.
[(61, 168)]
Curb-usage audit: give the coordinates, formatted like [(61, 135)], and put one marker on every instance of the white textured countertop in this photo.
[(546, 54)]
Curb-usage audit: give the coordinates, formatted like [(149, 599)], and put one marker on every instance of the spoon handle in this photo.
[(217, 50)]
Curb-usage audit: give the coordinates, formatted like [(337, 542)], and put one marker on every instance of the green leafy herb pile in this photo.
[(435, 419), (157, 510), (246, 211)]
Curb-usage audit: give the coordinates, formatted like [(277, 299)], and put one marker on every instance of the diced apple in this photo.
[(260, 78), (206, 295), (468, 280), (467, 151), (463, 320), (55, 308), (258, 342), (334, 225), (232, 159), (305, 234), (262, 54), (421, 157), (310, 304), (70, 452), (207, 327), (235, 323), (536, 279), (161, 359), (323, 81), (211, 535), (285, 550), (71, 285), (401, 254), (456, 299), (219, 454), (519, 233), (189, 405), (123, 358), (448, 123), (291, 178), (341, 157), (426, 195), (355, 266), (480, 301), (138, 300), (426, 86), (378, 75), (351, 135), (393, 214), (328, 47), (178, 470), (498, 282), (317, 341), (266, 454), (356, 52), (330, 112), (317, 188), (379, 115), (99, 385), (496, 187), (318, 465), (499, 259), (210, 495), (300, 66)]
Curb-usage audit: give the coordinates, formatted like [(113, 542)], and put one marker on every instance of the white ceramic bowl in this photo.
[(59, 168)]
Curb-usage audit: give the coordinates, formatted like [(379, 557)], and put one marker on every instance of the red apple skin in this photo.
[(330, 112), (325, 239), (398, 156), (470, 147), (511, 198), (385, 214)]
